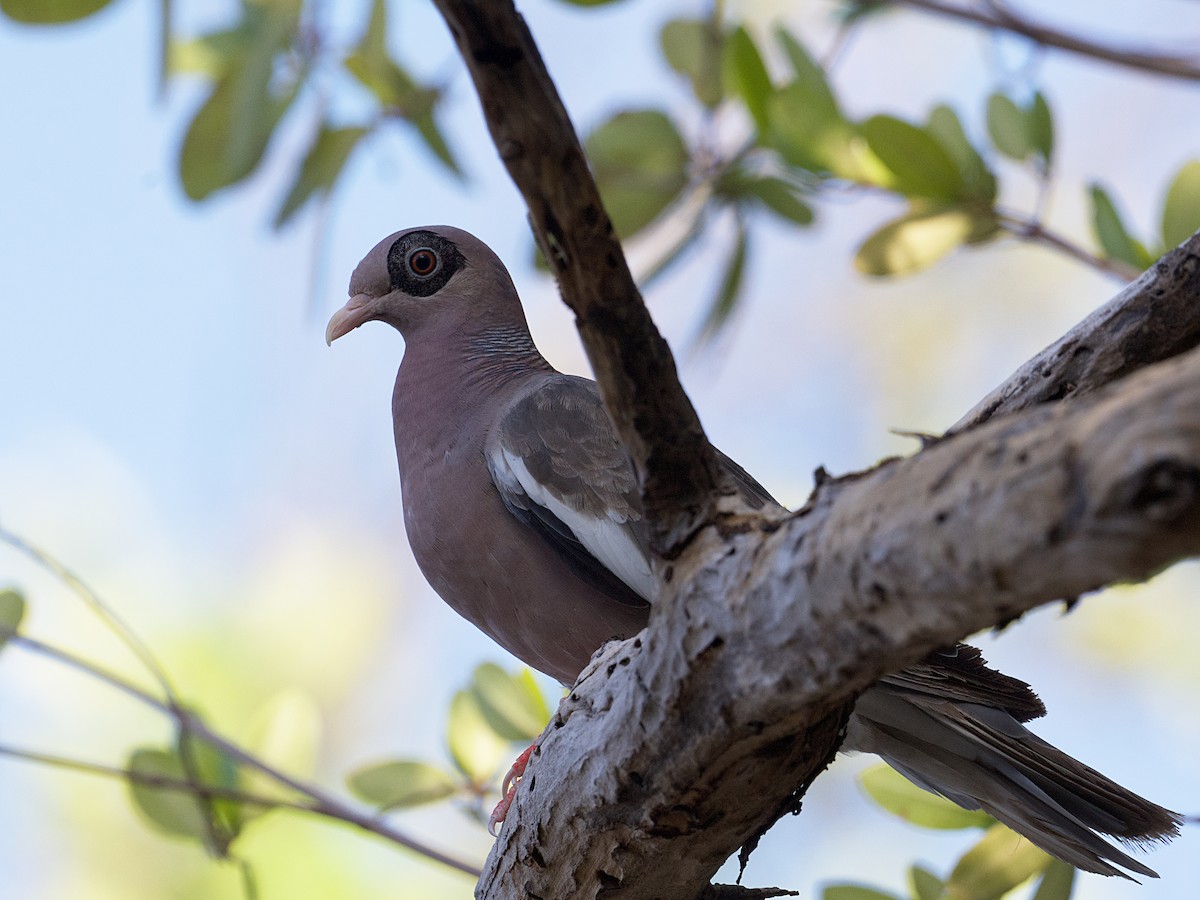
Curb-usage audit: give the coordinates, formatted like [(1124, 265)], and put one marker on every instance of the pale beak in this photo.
[(356, 311)]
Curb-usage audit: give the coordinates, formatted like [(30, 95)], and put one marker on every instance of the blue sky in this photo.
[(174, 427)]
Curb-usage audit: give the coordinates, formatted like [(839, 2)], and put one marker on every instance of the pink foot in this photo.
[(509, 789)]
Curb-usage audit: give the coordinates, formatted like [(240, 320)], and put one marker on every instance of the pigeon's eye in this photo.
[(423, 262)]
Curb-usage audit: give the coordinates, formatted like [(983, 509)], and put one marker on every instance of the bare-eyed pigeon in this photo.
[(523, 513)]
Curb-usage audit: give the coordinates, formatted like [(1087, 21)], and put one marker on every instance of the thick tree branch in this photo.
[(631, 361), (1155, 318), (735, 702), (996, 15)]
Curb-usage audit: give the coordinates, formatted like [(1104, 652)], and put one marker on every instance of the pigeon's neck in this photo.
[(447, 380)]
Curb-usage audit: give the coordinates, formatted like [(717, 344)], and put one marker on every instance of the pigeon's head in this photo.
[(434, 273)]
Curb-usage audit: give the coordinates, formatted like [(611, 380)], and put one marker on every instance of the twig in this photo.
[(323, 803), (1035, 231), (92, 600), (996, 15)]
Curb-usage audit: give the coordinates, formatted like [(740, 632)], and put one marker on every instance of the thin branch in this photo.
[(93, 601), (1034, 231), (323, 803), (995, 15), (149, 779), (336, 811)]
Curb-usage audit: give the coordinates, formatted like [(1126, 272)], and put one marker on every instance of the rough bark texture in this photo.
[(677, 747), (631, 361)]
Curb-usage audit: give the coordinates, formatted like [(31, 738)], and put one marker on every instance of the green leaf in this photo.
[(692, 47), (12, 611), (1058, 880), (212, 54), (901, 797), (1001, 861), (806, 126), (1041, 127), (854, 892), (640, 164), (181, 812), (322, 165), (925, 885), (1114, 239), (747, 76), (50, 12), (919, 164), (173, 811), (909, 244), (809, 74), (475, 748), (512, 705), (731, 284), (228, 135), (401, 783), (978, 181), (1181, 209), (1008, 127), (780, 197)]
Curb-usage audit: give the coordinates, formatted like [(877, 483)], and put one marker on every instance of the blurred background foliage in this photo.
[(733, 139)]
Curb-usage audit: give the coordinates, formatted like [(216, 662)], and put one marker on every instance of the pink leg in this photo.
[(509, 789)]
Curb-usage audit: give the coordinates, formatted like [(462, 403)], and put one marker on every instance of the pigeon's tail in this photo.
[(982, 757)]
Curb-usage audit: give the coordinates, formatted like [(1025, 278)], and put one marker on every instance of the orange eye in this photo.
[(423, 262)]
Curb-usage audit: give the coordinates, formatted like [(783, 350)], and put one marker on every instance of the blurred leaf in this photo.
[(397, 91), (854, 892), (1001, 861), (925, 885), (401, 783), (1114, 239), (174, 811), (12, 611), (1057, 882), (475, 748), (213, 767), (747, 76), (226, 140), (1041, 127), (1181, 209), (806, 126), (640, 164), (1008, 127), (781, 198), (212, 54), (512, 704), (921, 165), (692, 47), (909, 244), (978, 181), (179, 812), (731, 283), (50, 12), (321, 167), (228, 135), (901, 797)]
